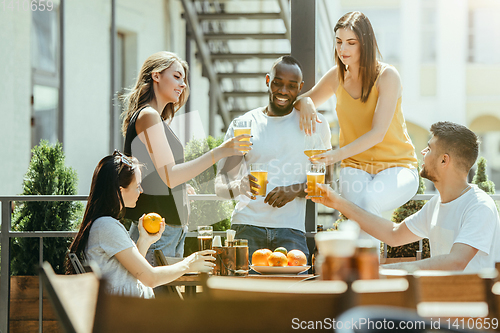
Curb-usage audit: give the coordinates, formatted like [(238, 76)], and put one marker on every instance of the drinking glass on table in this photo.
[(259, 171), (315, 174), (242, 126), (205, 235)]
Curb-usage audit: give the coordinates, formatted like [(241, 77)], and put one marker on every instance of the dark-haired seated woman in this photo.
[(116, 184)]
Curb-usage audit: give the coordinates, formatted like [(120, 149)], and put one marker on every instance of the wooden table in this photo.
[(191, 281)]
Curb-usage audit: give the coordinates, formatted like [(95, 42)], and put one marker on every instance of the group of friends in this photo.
[(378, 171)]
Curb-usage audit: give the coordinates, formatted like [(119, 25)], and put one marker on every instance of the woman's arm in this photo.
[(389, 87), (149, 127), (152, 277), (319, 94)]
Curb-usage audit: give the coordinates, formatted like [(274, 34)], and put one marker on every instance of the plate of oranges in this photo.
[(281, 261)]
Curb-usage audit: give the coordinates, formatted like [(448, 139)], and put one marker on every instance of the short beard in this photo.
[(280, 111), (426, 175)]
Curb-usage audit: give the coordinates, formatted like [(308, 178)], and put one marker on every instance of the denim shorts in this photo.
[(171, 242), (271, 238)]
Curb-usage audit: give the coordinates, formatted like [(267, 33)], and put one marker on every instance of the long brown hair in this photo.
[(143, 91), (104, 199), (368, 64)]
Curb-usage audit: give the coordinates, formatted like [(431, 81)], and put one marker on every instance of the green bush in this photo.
[(399, 214), (46, 175), (206, 212), (481, 178)]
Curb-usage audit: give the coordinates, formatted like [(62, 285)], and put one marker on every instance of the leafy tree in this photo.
[(409, 208), (46, 175), (205, 212)]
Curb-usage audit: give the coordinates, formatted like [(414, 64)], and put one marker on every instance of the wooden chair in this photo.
[(370, 319), (161, 260), (83, 306), (73, 297), (453, 294), (396, 292)]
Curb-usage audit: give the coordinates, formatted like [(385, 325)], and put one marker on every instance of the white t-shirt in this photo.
[(470, 219), (107, 237), (279, 142)]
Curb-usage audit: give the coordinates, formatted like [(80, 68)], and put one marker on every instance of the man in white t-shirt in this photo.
[(461, 222), (278, 218)]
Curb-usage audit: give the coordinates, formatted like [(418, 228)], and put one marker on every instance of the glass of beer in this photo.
[(241, 246), (205, 234), (259, 171), (242, 126), (315, 174), (313, 145)]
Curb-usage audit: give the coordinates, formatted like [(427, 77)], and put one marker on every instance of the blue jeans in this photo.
[(271, 238), (171, 242)]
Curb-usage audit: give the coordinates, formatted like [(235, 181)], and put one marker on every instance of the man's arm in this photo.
[(456, 260), (391, 233)]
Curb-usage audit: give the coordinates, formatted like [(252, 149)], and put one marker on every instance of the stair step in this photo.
[(212, 36), (237, 16), (239, 93), (243, 56), (241, 75)]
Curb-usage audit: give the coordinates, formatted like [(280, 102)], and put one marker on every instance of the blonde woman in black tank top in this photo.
[(160, 91)]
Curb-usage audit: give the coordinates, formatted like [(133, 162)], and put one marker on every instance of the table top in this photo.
[(195, 279)]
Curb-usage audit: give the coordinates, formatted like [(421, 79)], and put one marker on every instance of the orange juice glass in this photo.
[(315, 174), (242, 126), (259, 171)]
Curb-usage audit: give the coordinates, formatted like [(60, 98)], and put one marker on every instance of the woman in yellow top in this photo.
[(379, 164)]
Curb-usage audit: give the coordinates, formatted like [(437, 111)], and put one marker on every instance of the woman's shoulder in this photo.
[(147, 118), (106, 222), (389, 75)]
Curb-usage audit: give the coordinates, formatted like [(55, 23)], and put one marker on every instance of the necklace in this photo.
[(464, 190)]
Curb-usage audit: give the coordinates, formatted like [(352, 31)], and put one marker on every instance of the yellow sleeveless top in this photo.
[(355, 119)]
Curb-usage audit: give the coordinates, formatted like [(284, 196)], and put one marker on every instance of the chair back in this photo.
[(387, 292), (453, 294), (73, 297)]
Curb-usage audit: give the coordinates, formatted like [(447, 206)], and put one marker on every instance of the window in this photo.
[(429, 25), (484, 35), (45, 70)]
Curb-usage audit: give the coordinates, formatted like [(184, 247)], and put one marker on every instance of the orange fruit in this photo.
[(277, 259), (259, 257), (151, 222), (281, 249), (296, 258)]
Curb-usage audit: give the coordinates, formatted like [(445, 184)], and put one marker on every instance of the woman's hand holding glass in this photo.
[(328, 196), (329, 157), (201, 261), (239, 145)]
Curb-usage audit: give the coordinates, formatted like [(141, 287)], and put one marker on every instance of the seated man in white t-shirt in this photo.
[(278, 218), (461, 222)]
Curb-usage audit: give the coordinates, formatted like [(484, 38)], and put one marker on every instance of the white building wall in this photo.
[(451, 59), (15, 96), (149, 26)]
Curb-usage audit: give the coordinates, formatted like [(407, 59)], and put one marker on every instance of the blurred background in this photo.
[(61, 67)]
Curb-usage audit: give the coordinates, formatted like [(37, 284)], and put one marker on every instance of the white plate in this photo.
[(279, 270)]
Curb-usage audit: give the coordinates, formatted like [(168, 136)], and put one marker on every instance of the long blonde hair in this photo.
[(143, 91), (368, 65)]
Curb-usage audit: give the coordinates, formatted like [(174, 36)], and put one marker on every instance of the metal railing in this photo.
[(6, 234)]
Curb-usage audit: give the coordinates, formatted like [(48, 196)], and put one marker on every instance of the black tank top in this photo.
[(157, 196)]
